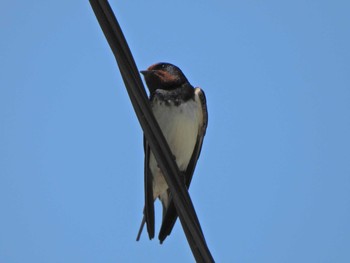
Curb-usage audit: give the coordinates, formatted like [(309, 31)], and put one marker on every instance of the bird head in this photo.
[(163, 76)]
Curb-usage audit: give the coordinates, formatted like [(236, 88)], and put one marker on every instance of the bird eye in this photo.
[(163, 65)]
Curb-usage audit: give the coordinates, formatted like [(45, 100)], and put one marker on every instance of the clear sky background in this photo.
[(273, 180)]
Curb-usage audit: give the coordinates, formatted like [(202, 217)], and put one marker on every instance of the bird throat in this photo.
[(175, 96)]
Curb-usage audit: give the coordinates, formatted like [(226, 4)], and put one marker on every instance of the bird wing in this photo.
[(170, 216), (148, 211)]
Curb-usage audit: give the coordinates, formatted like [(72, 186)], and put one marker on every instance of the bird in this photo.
[(181, 112)]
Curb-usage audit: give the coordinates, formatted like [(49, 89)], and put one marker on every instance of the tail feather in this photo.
[(141, 228), (169, 219)]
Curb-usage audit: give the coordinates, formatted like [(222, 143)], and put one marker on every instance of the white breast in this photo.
[(180, 125)]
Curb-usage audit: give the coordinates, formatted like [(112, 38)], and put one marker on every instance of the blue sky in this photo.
[(273, 180)]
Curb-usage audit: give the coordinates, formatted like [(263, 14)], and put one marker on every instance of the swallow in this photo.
[(181, 112)]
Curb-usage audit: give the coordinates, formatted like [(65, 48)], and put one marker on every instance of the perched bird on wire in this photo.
[(181, 112)]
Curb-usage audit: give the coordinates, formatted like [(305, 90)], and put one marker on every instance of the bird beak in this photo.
[(147, 72)]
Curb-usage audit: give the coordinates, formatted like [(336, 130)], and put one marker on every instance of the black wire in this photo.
[(153, 134)]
